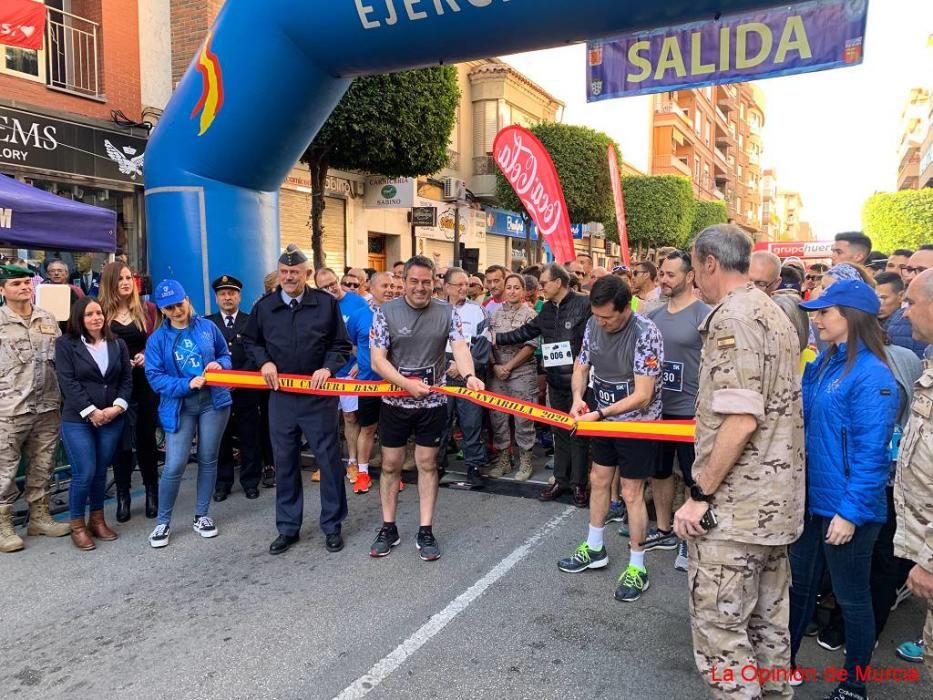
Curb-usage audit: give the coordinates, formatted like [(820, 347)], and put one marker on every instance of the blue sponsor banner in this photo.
[(793, 38), (576, 231), (502, 222)]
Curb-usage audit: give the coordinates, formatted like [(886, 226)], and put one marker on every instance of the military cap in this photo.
[(292, 256), (227, 282), (14, 272)]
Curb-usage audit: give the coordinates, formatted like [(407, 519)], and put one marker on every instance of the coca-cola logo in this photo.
[(525, 163)]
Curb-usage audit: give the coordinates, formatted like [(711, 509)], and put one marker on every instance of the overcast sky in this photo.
[(832, 136)]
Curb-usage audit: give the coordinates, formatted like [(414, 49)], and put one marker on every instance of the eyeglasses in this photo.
[(475, 284), (764, 285), (813, 278), (914, 270), (332, 285), (351, 285)]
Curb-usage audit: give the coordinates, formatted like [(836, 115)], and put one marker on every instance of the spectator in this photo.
[(533, 292), (58, 273), (847, 271), (890, 291), (177, 355), (495, 285), (813, 279), (919, 261), (586, 262), (765, 271), (397, 268), (94, 373), (898, 260), (133, 321), (876, 261), (850, 407), (850, 247), (645, 278), (791, 278), (476, 289), (513, 374)]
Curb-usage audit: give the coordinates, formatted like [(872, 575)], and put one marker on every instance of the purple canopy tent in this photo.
[(33, 218)]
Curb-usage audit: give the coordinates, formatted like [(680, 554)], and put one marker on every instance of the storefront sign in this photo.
[(502, 222), (424, 216), (388, 193), (799, 249), (22, 23), (793, 38), (299, 180), (37, 141)]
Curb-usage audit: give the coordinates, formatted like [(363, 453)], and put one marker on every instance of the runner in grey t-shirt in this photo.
[(679, 321)]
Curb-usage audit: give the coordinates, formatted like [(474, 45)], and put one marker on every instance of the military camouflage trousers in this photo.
[(523, 387), (740, 611), (36, 437)]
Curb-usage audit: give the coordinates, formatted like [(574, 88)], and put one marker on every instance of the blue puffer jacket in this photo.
[(169, 383), (848, 421), (900, 332)]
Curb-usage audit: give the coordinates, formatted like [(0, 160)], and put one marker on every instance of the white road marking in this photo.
[(390, 663)]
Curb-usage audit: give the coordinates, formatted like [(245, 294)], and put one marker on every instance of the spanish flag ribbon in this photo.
[(667, 430)]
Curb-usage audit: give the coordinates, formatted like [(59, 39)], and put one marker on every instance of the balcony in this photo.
[(667, 164), (720, 158), (722, 117), (483, 183), (72, 45), (725, 98)]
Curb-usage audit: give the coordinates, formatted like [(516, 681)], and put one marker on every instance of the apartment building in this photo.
[(712, 135), (914, 147), (70, 114)]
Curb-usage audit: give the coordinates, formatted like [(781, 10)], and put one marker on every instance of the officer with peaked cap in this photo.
[(295, 329), (244, 423), (29, 406)]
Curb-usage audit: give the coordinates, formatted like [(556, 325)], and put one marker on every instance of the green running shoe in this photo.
[(584, 558), (632, 583)]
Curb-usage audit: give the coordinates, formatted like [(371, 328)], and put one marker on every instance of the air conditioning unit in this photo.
[(454, 189)]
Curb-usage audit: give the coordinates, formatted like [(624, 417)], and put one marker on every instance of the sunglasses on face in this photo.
[(813, 278), (620, 268), (580, 273), (351, 285)]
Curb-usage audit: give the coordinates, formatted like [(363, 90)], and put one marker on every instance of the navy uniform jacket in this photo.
[(300, 341), (236, 343)]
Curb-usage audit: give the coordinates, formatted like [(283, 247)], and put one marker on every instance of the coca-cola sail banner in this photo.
[(22, 23), (528, 167), (619, 200)]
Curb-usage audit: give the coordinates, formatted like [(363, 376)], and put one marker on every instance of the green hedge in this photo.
[(899, 219), (659, 209)]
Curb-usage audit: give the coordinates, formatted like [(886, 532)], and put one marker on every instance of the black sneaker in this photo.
[(632, 583), (831, 638), (268, 477), (657, 539), (584, 558), (427, 546), (616, 514), (845, 692), (385, 541), (204, 526)]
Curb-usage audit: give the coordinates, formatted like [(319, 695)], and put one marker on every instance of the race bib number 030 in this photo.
[(672, 376), (557, 354)]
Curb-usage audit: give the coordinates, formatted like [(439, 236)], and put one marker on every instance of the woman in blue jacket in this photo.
[(177, 355), (850, 405)]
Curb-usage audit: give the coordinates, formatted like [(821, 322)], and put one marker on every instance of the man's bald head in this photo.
[(919, 261), (765, 271), (919, 301)]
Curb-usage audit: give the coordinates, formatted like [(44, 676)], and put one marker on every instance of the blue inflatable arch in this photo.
[(271, 71)]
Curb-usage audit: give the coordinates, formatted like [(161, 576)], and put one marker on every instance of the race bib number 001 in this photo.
[(608, 393), (557, 354), (672, 376)]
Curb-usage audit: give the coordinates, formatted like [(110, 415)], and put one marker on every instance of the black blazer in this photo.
[(81, 381), (235, 341)]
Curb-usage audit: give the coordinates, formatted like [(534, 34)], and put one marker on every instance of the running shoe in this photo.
[(831, 638), (681, 561), (795, 678), (911, 651), (362, 483), (204, 526), (584, 558), (616, 513), (659, 540), (428, 549), (845, 692), (632, 583), (623, 529), (385, 541), (159, 536)]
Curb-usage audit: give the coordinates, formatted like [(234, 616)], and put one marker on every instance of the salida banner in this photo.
[(794, 38), (22, 23), (528, 167)]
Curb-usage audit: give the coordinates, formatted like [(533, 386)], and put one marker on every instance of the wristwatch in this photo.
[(599, 412), (467, 378), (696, 493)]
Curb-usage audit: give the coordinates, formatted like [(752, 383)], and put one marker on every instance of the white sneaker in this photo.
[(204, 526), (159, 536)]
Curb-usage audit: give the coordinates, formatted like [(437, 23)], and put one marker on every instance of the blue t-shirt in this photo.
[(350, 305), (359, 327), (186, 352)]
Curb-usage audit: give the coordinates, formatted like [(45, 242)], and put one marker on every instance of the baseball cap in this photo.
[(854, 294), (168, 292)]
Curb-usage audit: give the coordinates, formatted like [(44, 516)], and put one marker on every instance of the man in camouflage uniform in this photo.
[(29, 406), (913, 489), (749, 471)]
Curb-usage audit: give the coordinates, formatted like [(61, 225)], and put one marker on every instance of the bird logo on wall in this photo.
[(127, 161)]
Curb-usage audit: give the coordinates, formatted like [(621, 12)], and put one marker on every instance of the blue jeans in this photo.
[(470, 419), (90, 451), (197, 415), (849, 568)]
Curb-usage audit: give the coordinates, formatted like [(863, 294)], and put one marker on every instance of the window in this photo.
[(485, 126), (742, 111), (738, 171), (741, 141), (706, 175), (24, 63), (696, 169), (697, 121), (709, 94), (706, 132)]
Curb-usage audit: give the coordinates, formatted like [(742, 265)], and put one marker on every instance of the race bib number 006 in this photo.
[(557, 354)]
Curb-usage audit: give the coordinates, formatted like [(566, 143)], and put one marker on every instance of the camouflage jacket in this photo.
[(27, 371), (749, 366), (913, 486)]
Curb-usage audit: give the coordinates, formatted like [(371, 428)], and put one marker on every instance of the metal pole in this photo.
[(414, 234), (456, 234)]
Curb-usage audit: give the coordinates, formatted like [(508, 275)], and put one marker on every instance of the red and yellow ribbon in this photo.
[(667, 430)]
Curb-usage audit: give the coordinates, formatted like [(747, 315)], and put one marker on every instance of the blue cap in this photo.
[(168, 292), (854, 294)]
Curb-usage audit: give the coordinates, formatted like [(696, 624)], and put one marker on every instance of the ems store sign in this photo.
[(43, 143)]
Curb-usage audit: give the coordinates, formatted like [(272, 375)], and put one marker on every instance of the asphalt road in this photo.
[(221, 618)]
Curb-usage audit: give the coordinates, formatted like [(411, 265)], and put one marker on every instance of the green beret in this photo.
[(292, 256), (14, 272)]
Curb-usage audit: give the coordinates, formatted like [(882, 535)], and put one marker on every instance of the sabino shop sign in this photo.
[(389, 193)]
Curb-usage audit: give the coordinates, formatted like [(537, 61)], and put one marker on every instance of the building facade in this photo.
[(71, 115), (713, 137), (914, 145)]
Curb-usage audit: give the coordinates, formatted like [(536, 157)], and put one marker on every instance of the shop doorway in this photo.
[(376, 250)]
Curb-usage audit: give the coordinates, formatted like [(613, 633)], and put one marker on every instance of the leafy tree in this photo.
[(899, 219), (659, 209), (397, 125), (579, 154), (707, 214)]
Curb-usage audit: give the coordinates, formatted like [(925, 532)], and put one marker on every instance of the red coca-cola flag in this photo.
[(22, 23), (528, 167), (619, 200)]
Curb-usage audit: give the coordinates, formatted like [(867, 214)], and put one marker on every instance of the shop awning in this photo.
[(33, 218)]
